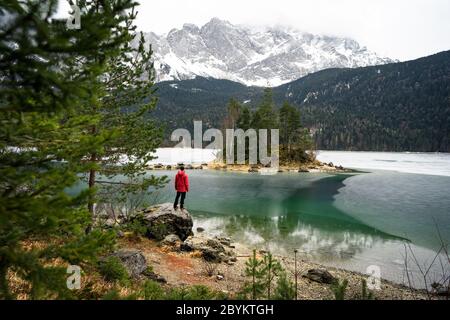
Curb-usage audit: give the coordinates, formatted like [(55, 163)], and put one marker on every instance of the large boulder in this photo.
[(162, 220), (320, 276), (133, 260)]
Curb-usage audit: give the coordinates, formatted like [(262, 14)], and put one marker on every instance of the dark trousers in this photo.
[(183, 195)]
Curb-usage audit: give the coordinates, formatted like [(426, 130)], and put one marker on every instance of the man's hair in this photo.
[(182, 168)]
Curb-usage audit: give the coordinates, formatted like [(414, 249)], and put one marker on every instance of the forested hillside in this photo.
[(181, 102), (395, 107)]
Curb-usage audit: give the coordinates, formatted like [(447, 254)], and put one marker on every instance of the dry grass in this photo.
[(181, 269)]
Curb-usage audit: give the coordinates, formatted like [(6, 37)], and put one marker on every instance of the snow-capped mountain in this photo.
[(253, 56)]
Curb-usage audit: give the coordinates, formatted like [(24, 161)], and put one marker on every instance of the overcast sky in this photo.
[(399, 29)]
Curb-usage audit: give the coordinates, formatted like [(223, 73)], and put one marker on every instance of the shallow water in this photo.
[(350, 221)]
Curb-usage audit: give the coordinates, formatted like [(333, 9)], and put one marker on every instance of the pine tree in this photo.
[(265, 116), (285, 289), (123, 110), (46, 73), (245, 119), (256, 271), (289, 123), (339, 289), (234, 111), (365, 293), (294, 139), (271, 270)]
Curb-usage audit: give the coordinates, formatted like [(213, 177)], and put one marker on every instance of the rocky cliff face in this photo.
[(262, 57)]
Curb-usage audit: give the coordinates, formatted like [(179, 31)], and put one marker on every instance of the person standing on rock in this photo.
[(181, 186)]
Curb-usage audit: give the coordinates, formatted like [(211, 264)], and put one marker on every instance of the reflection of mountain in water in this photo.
[(280, 234), (306, 222)]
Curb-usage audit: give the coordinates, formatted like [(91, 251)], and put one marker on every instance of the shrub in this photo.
[(152, 291), (112, 269), (136, 226), (197, 292), (115, 295), (339, 288), (209, 268), (285, 288), (149, 269), (112, 295), (180, 293), (200, 292), (365, 293), (157, 231)]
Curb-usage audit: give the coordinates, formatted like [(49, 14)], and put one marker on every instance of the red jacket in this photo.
[(181, 182)]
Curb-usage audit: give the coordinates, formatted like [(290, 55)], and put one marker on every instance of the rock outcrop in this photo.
[(133, 260), (212, 249), (171, 240), (136, 265), (162, 220)]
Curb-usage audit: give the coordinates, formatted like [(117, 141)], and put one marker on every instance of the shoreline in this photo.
[(340, 273), (314, 167), (187, 268)]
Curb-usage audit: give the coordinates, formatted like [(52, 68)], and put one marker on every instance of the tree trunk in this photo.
[(92, 175), (91, 183)]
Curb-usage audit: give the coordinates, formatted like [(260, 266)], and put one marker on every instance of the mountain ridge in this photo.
[(268, 56)]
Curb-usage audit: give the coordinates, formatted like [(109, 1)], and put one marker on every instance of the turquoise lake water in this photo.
[(351, 221), (354, 221)]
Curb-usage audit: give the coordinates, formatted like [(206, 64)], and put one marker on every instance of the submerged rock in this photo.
[(163, 220), (200, 229)]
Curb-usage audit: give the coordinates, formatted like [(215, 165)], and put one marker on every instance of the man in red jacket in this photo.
[(181, 186)]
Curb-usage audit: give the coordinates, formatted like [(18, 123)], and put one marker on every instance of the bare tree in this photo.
[(434, 285)]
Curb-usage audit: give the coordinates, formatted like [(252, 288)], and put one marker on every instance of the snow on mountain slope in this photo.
[(252, 56)]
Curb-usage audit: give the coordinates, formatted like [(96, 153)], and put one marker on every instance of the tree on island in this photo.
[(295, 140)]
